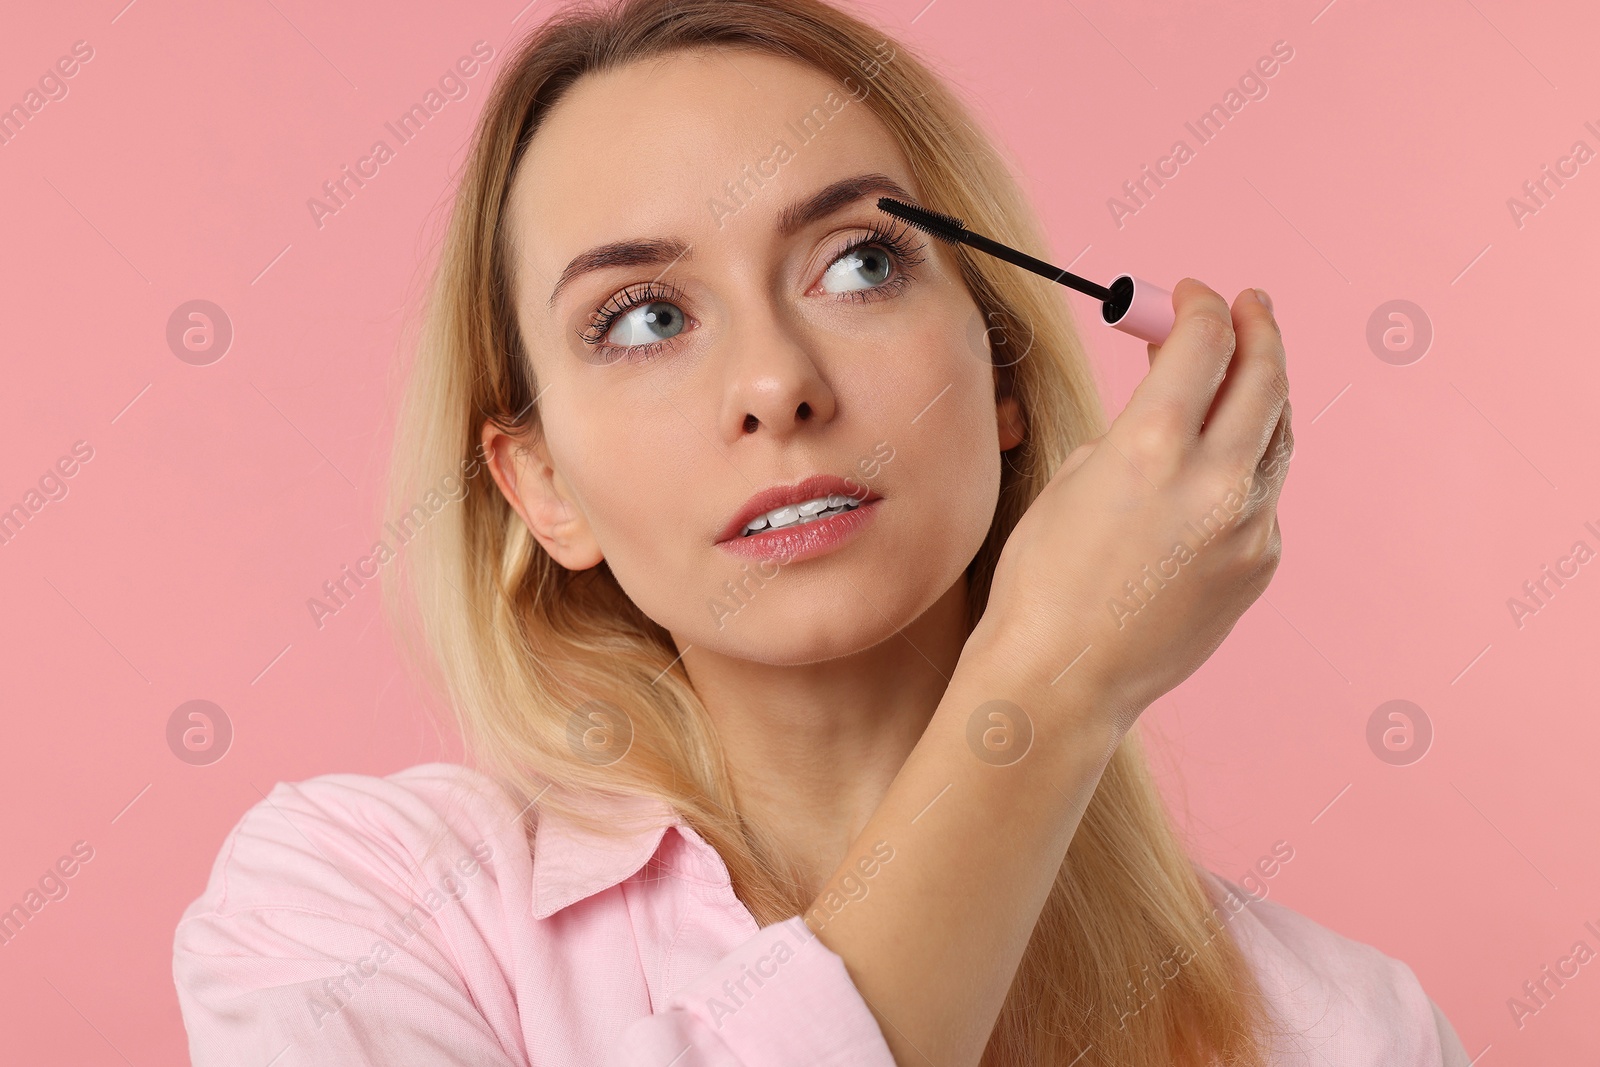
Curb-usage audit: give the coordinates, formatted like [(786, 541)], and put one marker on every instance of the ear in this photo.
[(539, 494), (1008, 415)]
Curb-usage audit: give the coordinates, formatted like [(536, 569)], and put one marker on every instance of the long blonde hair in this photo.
[(523, 649)]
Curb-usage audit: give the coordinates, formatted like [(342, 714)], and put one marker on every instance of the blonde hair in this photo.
[(527, 652)]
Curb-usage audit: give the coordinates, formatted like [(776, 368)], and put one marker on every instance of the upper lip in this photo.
[(778, 496)]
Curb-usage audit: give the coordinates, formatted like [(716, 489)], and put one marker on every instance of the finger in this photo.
[(1076, 457), (1272, 467), (1244, 415), (1186, 369), (1273, 463)]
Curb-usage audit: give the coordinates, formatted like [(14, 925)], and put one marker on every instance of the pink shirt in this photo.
[(357, 920)]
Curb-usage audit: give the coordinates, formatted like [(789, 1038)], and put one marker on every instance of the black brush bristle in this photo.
[(945, 227)]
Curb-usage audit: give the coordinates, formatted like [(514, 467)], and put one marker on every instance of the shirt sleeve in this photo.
[(1455, 1055), (344, 924), (317, 944), (781, 999)]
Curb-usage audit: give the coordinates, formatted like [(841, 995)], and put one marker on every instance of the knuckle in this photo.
[(1260, 546), (1223, 489), (1278, 383), (1286, 445), (1158, 433), (1214, 332)]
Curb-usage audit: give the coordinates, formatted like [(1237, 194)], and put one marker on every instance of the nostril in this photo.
[(804, 411), (750, 423)]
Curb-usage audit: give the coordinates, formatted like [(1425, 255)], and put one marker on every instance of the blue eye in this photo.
[(655, 321), (645, 317), (868, 259), (641, 320)]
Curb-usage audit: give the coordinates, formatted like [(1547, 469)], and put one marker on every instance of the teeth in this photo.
[(807, 511)]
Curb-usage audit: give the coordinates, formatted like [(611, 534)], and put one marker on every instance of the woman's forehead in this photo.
[(697, 146)]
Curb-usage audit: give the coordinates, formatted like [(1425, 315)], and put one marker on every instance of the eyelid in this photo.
[(898, 237)]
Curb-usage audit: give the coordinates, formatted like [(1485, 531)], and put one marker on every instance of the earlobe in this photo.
[(539, 496), (1012, 427)]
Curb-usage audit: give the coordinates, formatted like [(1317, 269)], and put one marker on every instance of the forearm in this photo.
[(934, 944)]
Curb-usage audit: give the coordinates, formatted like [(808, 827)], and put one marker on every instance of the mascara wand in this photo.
[(1130, 304)]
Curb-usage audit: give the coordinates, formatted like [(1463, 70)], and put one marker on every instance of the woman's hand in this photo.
[(1149, 542)]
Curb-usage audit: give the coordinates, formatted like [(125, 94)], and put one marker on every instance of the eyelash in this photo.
[(903, 249)]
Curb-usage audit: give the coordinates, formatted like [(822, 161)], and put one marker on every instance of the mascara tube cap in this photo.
[(1140, 308)]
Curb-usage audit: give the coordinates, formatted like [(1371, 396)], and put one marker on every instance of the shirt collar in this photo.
[(571, 862)]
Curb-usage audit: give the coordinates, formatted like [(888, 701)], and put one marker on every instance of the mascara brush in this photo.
[(1130, 304)]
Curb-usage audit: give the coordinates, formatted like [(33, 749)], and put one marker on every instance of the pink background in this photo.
[(219, 498)]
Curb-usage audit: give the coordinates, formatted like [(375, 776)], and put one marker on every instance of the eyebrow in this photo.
[(643, 252)]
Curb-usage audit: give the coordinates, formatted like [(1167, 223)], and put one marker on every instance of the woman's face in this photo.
[(738, 346)]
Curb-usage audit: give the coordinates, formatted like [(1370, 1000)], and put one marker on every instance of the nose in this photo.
[(775, 376)]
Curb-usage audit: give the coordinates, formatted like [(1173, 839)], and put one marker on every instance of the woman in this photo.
[(796, 604)]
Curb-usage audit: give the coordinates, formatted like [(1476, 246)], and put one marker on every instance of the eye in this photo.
[(868, 262), (655, 321), (877, 263), (636, 323)]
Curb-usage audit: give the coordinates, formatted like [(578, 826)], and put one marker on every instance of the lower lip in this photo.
[(802, 541)]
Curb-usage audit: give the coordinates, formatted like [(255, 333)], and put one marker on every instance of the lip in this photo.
[(778, 496)]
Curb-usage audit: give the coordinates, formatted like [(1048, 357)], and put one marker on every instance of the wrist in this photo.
[(1062, 708)]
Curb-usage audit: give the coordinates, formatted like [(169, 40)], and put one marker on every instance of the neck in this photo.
[(812, 749)]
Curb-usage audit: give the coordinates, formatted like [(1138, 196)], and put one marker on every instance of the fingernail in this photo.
[(1261, 295)]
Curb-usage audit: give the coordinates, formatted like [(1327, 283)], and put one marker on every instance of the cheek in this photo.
[(631, 472)]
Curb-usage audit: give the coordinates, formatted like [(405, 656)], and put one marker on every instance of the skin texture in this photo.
[(845, 690), (822, 682)]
